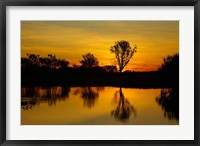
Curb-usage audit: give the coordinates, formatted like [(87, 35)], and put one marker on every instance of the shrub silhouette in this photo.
[(89, 61), (34, 60)]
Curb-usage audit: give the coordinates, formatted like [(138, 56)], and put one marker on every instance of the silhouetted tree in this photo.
[(123, 53), (75, 66), (89, 61), (170, 63), (170, 69), (34, 60), (62, 64), (25, 62), (52, 60)]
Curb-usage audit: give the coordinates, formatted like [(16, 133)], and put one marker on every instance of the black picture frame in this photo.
[(5, 3)]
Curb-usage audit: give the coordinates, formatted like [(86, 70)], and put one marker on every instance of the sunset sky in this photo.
[(71, 39)]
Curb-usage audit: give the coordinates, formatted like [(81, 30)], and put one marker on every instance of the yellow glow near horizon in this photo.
[(71, 39)]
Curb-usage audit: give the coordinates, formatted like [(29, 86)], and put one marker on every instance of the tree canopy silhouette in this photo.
[(170, 63), (51, 61), (123, 53), (89, 61), (170, 69)]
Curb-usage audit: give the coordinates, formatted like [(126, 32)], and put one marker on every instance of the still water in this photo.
[(98, 106)]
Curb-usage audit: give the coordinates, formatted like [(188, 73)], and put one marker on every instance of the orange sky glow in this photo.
[(71, 39)]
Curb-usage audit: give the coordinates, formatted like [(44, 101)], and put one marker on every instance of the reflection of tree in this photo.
[(27, 104), (35, 95), (124, 108), (169, 100), (89, 95)]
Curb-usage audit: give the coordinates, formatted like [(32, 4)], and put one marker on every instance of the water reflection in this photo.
[(27, 104), (98, 106), (169, 101), (32, 96), (123, 109), (89, 95)]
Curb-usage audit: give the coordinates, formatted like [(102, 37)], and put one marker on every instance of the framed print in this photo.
[(99, 72)]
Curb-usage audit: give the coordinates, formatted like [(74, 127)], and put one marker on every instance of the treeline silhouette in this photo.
[(51, 70), (169, 70)]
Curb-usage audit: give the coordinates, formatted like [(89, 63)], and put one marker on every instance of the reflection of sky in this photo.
[(71, 39)]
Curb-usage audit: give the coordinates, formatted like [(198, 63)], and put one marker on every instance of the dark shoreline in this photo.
[(127, 80)]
